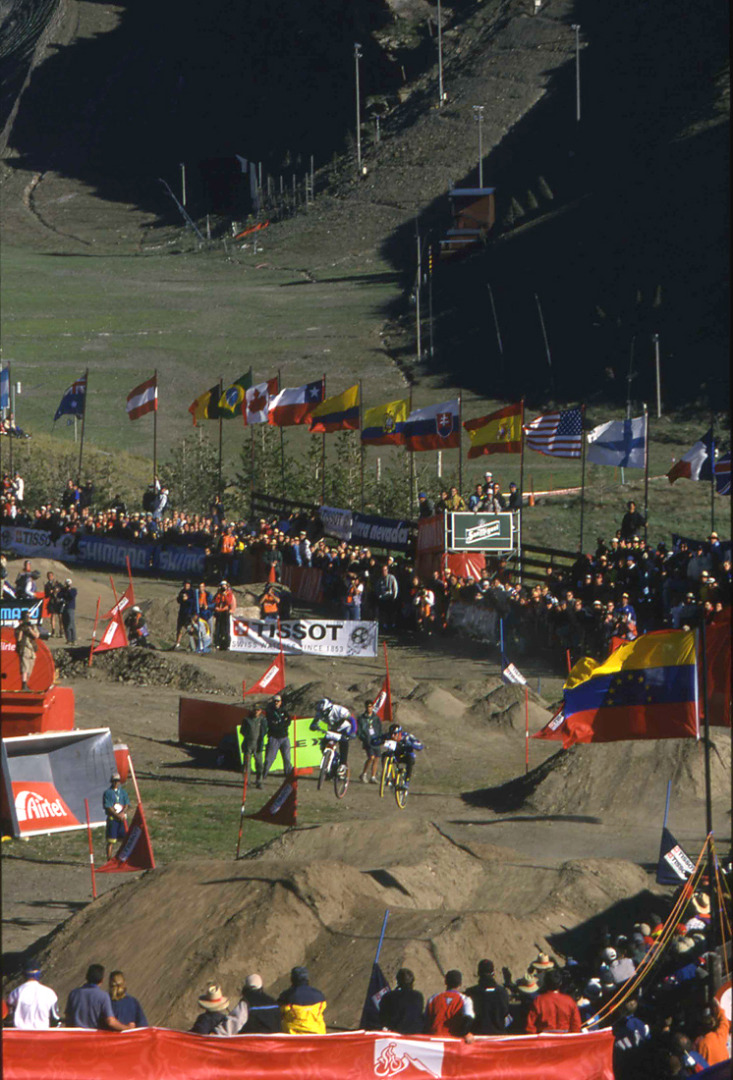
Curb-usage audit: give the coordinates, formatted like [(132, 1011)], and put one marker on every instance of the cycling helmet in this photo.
[(395, 729), (323, 705)]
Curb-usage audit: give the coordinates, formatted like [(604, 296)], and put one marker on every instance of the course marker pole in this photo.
[(91, 850)]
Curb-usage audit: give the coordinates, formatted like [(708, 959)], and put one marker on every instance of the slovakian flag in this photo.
[(125, 601), (135, 851), (383, 425), (73, 399), (499, 432), (230, 402), (378, 987), (206, 406), (294, 405), (272, 682), (143, 399), (436, 427), (338, 413), (673, 866), (697, 463), (646, 689), (282, 807), (257, 400), (114, 637)]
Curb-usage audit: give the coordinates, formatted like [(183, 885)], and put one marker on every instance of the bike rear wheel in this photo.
[(341, 783), (387, 766), (401, 787), (325, 767)]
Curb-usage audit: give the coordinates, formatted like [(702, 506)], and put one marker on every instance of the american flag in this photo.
[(558, 434), (722, 475)]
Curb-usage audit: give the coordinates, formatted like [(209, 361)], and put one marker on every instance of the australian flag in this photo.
[(378, 987), (73, 399)]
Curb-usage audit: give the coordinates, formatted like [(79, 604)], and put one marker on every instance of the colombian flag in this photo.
[(339, 413), (646, 689), (498, 433), (383, 425)]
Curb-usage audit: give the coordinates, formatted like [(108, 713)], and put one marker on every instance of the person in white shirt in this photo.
[(34, 1006)]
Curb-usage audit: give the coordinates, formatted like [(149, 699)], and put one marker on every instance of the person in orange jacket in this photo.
[(224, 605)]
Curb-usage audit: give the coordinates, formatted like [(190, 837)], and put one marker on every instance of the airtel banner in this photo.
[(46, 777)]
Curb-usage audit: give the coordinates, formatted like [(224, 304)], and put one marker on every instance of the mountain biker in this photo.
[(341, 722), (407, 744)]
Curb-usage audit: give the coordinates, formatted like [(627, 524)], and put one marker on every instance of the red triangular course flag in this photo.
[(554, 728), (272, 682), (114, 637), (383, 702), (282, 807), (125, 601), (135, 851)]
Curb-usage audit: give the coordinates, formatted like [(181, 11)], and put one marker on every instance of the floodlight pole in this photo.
[(183, 183), (478, 113), (655, 339), (357, 57), (441, 93), (576, 28)]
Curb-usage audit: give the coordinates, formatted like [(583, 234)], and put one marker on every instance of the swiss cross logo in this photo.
[(404, 1058), (444, 424), (40, 808)]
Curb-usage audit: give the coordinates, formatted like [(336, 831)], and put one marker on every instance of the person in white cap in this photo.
[(255, 1012), (115, 802)]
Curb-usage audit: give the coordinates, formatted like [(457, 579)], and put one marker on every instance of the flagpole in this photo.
[(282, 441), (91, 850), (323, 453), (129, 578), (134, 781), (412, 464), (361, 447), (10, 411), (221, 430), (712, 471), (521, 486), (708, 784), (582, 473), (526, 731), (94, 633), (83, 422), (460, 444), (666, 807), (381, 936), (155, 429), (245, 774), (646, 472)]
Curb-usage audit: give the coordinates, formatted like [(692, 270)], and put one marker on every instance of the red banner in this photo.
[(717, 647), (304, 582), (383, 703), (151, 1053), (135, 852), (282, 807)]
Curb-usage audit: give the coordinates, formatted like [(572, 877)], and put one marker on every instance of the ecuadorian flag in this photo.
[(646, 689), (383, 424), (339, 413)]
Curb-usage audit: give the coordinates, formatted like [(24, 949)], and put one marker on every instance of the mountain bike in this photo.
[(329, 769), (394, 774)]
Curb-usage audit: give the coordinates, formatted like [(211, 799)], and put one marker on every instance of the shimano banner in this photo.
[(46, 777), (321, 637)]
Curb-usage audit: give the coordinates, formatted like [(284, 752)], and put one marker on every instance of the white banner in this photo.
[(336, 522), (322, 637), (38, 542)]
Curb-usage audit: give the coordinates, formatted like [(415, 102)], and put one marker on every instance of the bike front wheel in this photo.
[(386, 774), (401, 787), (341, 783), (325, 767)]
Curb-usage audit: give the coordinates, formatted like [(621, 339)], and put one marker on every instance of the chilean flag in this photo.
[(293, 405), (436, 427)]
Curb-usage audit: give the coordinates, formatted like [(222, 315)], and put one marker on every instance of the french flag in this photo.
[(436, 427), (293, 405)]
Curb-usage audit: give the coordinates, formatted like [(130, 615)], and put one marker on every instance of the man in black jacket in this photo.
[(255, 1014), (278, 725), (401, 1009), (490, 1002)]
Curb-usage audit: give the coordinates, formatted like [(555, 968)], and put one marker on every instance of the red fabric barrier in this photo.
[(158, 1054), (304, 582), (468, 564)]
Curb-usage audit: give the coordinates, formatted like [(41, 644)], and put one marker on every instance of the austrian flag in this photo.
[(143, 399)]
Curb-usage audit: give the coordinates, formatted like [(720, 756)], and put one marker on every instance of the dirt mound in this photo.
[(622, 779), (306, 900), (504, 707), (140, 666)]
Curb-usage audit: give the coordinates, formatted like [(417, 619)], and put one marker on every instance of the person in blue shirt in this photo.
[(89, 1006), (126, 1008), (115, 802)]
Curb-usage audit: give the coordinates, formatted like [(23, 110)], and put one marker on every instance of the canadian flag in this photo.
[(257, 400), (272, 682), (282, 807), (114, 637), (135, 851), (125, 601)]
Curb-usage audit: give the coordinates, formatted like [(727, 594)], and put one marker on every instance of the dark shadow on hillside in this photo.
[(618, 224), (584, 940), (514, 794)]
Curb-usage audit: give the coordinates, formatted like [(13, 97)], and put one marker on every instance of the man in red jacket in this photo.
[(450, 1013), (552, 1010)]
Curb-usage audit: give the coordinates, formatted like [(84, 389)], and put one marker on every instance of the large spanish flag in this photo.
[(383, 425), (499, 432), (339, 413), (646, 689)]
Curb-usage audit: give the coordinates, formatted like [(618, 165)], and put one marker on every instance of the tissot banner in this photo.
[(45, 779), (320, 637)]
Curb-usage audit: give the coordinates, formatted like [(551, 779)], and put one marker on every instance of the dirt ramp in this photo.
[(503, 709)]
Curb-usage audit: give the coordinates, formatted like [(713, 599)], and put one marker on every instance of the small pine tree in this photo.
[(532, 203), (517, 208), (544, 188)]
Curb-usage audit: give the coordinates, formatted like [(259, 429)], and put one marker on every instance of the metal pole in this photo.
[(576, 28), (496, 323), (646, 471), (441, 94), (83, 422), (417, 295), (460, 444), (655, 339), (361, 446), (712, 471), (221, 424), (412, 468), (544, 332), (430, 303), (155, 429), (183, 183), (582, 473), (478, 112), (282, 441), (357, 57)]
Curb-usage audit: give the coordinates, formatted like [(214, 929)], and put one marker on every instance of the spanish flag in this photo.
[(498, 433), (206, 407), (382, 426), (339, 413), (646, 689)]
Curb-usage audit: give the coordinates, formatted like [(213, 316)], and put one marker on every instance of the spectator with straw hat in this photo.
[(215, 1007)]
